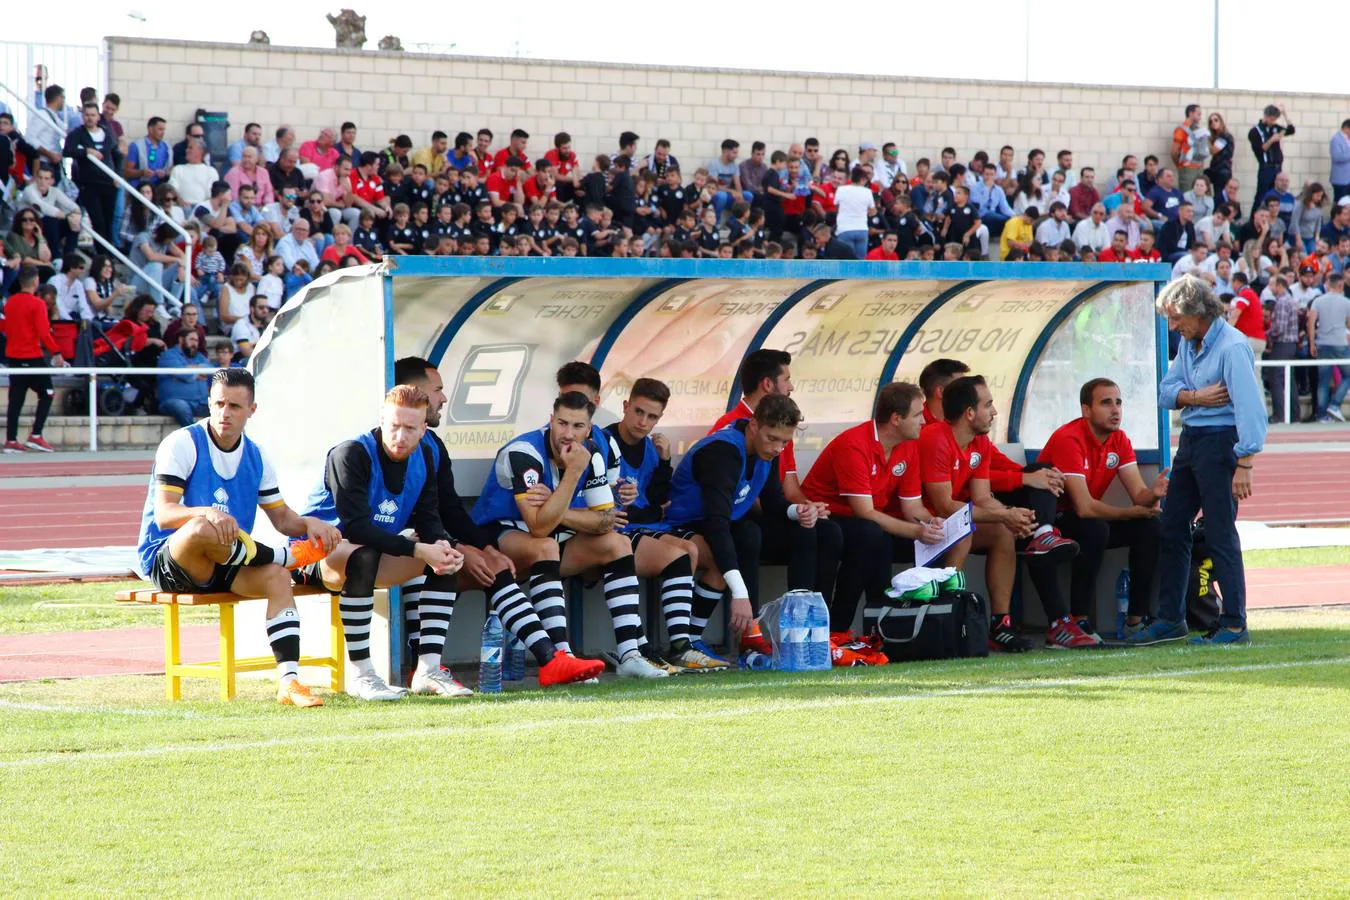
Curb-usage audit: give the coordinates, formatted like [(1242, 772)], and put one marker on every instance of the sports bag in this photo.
[(955, 624)]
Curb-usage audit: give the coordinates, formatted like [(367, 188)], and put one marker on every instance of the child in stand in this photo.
[(210, 272), (273, 285), (366, 238), (298, 278)]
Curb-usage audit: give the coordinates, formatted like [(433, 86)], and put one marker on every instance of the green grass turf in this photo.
[(1175, 771), (80, 606), (1298, 558)]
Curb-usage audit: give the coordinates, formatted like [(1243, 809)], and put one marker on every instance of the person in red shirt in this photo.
[(1245, 314), (1146, 252), (28, 331), (766, 372), (886, 251), (367, 188), (868, 476), (954, 462), (1119, 251), (542, 187), (482, 152), (505, 185), (566, 171), (1093, 452), (517, 148)]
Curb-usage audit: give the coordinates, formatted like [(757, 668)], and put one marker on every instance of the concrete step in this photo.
[(114, 432)]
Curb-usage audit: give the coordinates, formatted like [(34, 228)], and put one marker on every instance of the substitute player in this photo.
[(711, 494), (645, 475), (375, 486), (1093, 451), (485, 567), (868, 476), (577, 529), (207, 484)]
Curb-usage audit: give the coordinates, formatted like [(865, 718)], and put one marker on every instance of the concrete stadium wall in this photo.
[(390, 93)]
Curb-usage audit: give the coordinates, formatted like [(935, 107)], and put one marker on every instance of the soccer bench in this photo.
[(224, 669)]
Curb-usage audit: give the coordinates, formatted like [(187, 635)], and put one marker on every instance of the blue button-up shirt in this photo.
[(1223, 356)]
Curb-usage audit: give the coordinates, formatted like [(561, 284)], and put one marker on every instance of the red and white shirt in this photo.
[(370, 189), (854, 464), (942, 459), (1075, 451), (787, 460)]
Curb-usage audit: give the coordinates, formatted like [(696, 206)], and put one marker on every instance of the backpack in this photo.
[(1202, 595)]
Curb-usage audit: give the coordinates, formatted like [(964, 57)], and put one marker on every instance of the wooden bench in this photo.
[(224, 669)]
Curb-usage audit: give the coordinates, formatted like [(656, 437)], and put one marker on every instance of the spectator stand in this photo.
[(498, 328)]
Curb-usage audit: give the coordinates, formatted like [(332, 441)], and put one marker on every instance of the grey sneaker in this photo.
[(372, 687)]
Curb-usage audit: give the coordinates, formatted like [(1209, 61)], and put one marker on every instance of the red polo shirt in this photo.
[(1251, 320), (1075, 451), (497, 184), (787, 460), (370, 190), (499, 161), (854, 464), (1005, 475), (563, 165), (534, 192), (880, 253), (942, 459)]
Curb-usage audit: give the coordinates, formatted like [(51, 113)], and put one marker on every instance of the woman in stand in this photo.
[(1221, 145), (26, 241), (1309, 216)]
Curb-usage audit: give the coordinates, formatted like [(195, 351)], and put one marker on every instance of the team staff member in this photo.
[(1223, 427), (1037, 487), (868, 476), (1093, 451), (765, 373), (375, 486), (714, 488), (644, 463), (954, 458), (207, 484), (577, 529), (485, 567)]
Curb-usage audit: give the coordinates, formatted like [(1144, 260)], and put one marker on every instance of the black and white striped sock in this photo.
[(621, 596), (356, 615), (546, 593), (248, 552), (410, 594), (705, 602), (677, 597), (435, 607), (283, 633), (507, 600)]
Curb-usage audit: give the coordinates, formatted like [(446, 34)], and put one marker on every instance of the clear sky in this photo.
[(1083, 41)]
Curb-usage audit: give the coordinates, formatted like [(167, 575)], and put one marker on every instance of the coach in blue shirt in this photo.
[(1223, 426)]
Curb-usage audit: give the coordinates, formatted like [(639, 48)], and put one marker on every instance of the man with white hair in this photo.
[(1223, 427), (1093, 231)]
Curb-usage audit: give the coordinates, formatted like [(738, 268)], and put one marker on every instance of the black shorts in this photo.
[(168, 575), (506, 526), (635, 535)]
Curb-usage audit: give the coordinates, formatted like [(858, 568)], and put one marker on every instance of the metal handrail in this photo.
[(122, 257), (1290, 398)]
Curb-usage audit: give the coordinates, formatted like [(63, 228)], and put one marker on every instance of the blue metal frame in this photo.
[(893, 361), (396, 630), (462, 315), (797, 270), (768, 326), (1033, 356), (635, 306), (1164, 415)]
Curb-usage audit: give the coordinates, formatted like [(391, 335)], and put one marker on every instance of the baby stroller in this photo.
[(108, 348)]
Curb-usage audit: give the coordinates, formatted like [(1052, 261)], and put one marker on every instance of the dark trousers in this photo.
[(1275, 382), (864, 567), (1095, 537), (60, 236), (1338, 191), (99, 201), (1202, 479), (19, 385), (1044, 574), (1265, 181), (810, 554)]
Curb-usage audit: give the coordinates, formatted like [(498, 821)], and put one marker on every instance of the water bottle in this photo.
[(787, 632), (1122, 602), (515, 659), (818, 633), (754, 661), (490, 657)]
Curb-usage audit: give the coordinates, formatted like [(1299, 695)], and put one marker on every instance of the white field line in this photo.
[(737, 711)]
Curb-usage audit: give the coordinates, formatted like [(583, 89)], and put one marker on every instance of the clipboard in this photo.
[(954, 529)]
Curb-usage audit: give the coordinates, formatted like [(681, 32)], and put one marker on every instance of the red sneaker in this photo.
[(1051, 546), (14, 447), (564, 668), (39, 443), (1066, 635)]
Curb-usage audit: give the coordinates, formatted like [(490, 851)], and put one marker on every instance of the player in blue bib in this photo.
[(381, 488), (207, 484), (712, 494), (644, 488), (549, 498)]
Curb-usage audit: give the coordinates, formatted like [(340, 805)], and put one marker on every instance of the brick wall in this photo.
[(392, 93)]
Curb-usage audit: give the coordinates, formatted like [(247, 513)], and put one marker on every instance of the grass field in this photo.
[(1169, 772)]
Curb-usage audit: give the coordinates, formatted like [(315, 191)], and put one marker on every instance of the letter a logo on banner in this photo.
[(488, 386)]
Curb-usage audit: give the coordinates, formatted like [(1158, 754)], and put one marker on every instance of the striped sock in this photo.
[(356, 615), (283, 633), (705, 601), (248, 552), (435, 608), (507, 600), (621, 596), (546, 593), (410, 593), (677, 597)]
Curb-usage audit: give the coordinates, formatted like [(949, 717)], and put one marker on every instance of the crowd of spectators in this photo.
[(276, 213)]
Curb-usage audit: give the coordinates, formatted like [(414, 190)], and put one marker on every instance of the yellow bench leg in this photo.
[(173, 684), (227, 673), (337, 645)]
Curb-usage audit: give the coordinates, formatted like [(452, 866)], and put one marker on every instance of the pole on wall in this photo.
[(1216, 45)]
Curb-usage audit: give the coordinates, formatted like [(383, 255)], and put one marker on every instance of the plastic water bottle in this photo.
[(754, 661), (515, 659), (490, 657), (818, 633), (1122, 602), (787, 633)]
